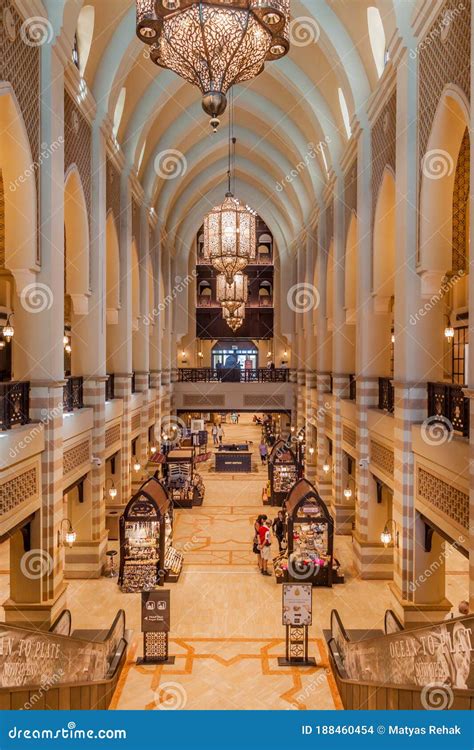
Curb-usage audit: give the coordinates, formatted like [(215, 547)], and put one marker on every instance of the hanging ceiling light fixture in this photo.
[(214, 44), (236, 319), (230, 230), (232, 296)]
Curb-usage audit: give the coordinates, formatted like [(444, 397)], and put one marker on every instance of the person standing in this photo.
[(265, 545), (214, 434), (220, 434), (278, 527), (263, 452), (256, 540)]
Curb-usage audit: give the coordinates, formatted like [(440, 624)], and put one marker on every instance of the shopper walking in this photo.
[(278, 527), (214, 434), (263, 452), (256, 539), (220, 434), (265, 544)]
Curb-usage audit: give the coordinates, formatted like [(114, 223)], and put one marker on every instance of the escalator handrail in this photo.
[(66, 613), (335, 616), (391, 613)]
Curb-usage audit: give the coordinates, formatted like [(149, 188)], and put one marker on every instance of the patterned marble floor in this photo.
[(226, 618)]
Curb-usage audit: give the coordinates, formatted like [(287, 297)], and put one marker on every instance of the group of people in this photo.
[(262, 541), (217, 434)]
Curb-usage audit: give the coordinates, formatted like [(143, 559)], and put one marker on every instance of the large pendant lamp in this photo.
[(234, 295), (230, 230), (234, 320), (214, 44)]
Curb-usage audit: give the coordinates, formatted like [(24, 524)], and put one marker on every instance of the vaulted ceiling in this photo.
[(295, 103)]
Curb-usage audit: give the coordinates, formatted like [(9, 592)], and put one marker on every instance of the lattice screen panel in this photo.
[(449, 500), (113, 191), (350, 193), (461, 206), (2, 222), (445, 59), (20, 65)]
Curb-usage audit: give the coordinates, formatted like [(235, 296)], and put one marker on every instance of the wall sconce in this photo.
[(66, 536), (389, 532), (326, 466), (65, 340), (393, 338), (68, 348), (153, 449), (8, 330), (113, 491), (137, 465), (200, 355), (348, 493), (449, 330), (311, 451)]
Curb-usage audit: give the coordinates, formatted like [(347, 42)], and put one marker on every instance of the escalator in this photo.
[(63, 668), (429, 667)]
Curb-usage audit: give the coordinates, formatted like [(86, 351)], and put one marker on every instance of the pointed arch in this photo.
[(112, 269), (384, 244), (76, 237)]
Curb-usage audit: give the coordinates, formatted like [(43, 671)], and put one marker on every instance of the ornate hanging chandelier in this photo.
[(232, 296), (214, 44), (236, 319)]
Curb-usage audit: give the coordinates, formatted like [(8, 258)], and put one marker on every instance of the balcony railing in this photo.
[(352, 387), (134, 383), (448, 403), (14, 404), (73, 397), (386, 395), (110, 387), (207, 303), (233, 375)]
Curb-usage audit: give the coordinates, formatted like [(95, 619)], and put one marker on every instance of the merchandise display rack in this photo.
[(282, 472), (147, 558), (184, 484), (310, 530)]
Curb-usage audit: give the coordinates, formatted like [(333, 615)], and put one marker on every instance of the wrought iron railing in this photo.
[(110, 387), (386, 395), (448, 403), (73, 393), (233, 375), (14, 404), (352, 387), (134, 383)]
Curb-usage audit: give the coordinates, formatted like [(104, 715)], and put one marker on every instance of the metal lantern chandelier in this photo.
[(214, 44), (234, 320), (233, 295)]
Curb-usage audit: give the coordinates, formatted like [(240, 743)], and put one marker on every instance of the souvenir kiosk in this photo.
[(282, 472), (309, 555), (185, 486), (146, 531)]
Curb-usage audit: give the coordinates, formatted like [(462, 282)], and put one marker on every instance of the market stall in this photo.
[(310, 537), (282, 472), (233, 458), (146, 533), (184, 484)]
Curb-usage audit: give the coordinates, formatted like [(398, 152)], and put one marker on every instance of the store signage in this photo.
[(156, 611), (297, 604), (442, 653), (311, 510)]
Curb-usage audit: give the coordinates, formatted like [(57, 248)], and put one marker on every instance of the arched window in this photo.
[(84, 34), (377, 38), (119, 110), (345, 113)]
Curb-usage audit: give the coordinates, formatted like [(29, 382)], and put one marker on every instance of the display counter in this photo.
[(282, 472), (236, 460)]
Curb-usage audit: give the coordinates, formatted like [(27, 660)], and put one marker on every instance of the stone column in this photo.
[(38, 590)]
